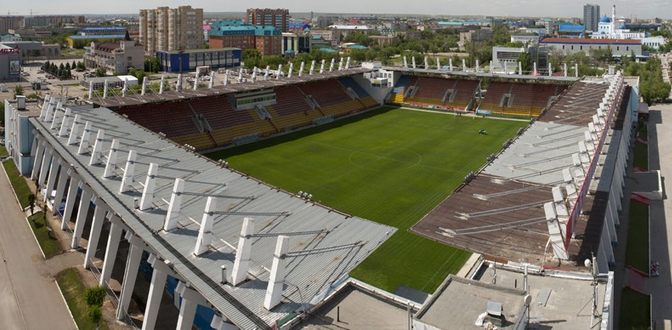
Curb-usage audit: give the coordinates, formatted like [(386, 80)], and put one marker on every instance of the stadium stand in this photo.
[(332, 97), (451, 93), (519, 99), (291, 110)]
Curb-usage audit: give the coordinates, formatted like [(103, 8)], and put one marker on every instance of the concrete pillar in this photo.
[(301, 68), (291, 70), (405, 62), (60, 188), (127, 179), (426, 63), (464, 65), (37, 163), (174, 206), (534, 69), (478, 66), (279, 73), (148, 190), (322, 67), (241, 265), (51, 179), (86, 139), (205, 232), (130, 274), (340, 64), (46, 162), (156, 288), (63, 131), (312, 68), (111, 251), (211, 82), (196, 81), (90, 90), (277, 278), (82, 213), (185, 319), (74, 131), (438, 63), (520, 68), (97, 148), (70, 201), (564, 69), (331, 66), (450, 64), (94, 235), (550, 69), (111, 164)]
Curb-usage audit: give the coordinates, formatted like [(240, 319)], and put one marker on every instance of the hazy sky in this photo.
[(628, 8)]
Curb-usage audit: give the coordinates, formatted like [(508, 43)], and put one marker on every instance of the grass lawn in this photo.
[(635, 310), (637, 250), (3, 152), (73, 290), (49, 244), (391, 166), (18, 182), (641, 155)]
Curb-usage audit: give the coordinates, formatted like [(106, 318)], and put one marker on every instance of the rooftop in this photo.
[(326, 244), (591, 41)]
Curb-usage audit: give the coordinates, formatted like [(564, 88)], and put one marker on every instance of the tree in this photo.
[(18, 90), (100, 72), (525, 61), (152, 64)]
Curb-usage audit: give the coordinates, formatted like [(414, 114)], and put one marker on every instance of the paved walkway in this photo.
[(660, 157), (29, 297)]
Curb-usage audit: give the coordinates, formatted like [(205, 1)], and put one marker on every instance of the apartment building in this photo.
[(170, 29)]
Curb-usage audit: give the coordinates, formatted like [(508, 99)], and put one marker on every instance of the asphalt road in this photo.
[(29, 297)]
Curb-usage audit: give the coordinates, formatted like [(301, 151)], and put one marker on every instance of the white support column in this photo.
[(82, 214), (51, 179), (190, 299), (105, 88), (63, 131), (340, 64), (74, 131), (277, 278), (550, 69), (113, 239), (39, 154), (312, 68), (97, 148), (241, 265), (450, 64), (478, 66), (144, 86), (46, 161), (94, 235), (226, 78), (331, 66), (130, 274), (86, 139), (58, 119), (279, 73), (161, 84), (405, 62), (211, 82), (148, 191), (70, 201), (60, 188), (564, 69), (322, 67), (127, 179), (464, 65), (534, 69), (426, 63), (301, 68), (291, 70), (90, 89), (196, 81), (156, 288), (111, 164), (438, 63), (175, 205), (205, 232), (520, 68)]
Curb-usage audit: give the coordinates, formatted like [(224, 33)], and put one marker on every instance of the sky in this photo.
[(551, 8)]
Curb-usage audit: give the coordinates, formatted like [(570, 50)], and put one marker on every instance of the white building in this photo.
[(618, 47), (115, 56)]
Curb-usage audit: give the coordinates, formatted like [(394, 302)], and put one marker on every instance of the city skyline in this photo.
[(551, 8)]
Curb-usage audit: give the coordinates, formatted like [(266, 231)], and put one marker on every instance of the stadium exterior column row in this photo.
[(50, 168)]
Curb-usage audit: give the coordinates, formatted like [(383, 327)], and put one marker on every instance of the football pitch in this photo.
[(391, 166)]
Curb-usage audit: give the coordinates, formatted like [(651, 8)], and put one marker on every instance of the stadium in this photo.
[(256, 202)]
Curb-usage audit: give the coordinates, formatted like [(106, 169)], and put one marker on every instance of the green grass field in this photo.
[(391, 166), (635, 310), (48, 243), (18, 183), (72, 286)]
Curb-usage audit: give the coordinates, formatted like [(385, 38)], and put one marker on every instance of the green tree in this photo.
[(525, 61), (18, 90), (100, 72)]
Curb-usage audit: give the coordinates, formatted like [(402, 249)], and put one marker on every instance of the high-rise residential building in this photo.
[(170, 29), (10, 23), (591, 17), (279, 18)]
